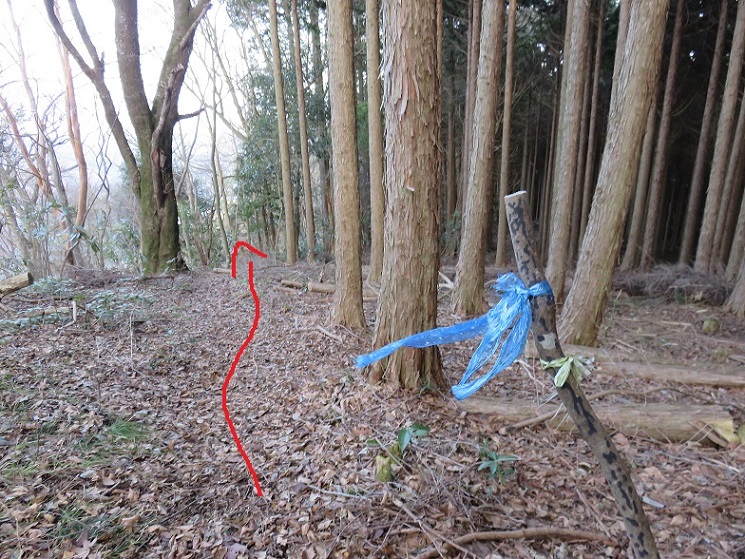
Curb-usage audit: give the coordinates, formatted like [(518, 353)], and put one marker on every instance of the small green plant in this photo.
[(384, 462), (500, 466), (127, 430)]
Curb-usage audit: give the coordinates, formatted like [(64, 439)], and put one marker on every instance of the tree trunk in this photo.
[(659, 169), (310, 227), (73, 132), (589, 172), (705, 256), (504, 174), (565, 164), (630, 103), (327, 209), (472, 70), (284, 144), (693, 210), (408, 293), (468, 295), (347, 307), (451, 182), (638, 213), (579, 175), (375, 132), (736, 302), (152, 180), (729, 197)]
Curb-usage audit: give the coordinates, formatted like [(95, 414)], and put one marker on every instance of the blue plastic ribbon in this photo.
[(512, 310)]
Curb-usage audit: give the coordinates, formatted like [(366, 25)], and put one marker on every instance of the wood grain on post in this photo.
[(612, 462)]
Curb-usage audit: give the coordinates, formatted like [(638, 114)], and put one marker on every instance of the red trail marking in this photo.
[(238, 355)]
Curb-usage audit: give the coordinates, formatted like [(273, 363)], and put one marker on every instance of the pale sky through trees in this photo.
[(45, 71)]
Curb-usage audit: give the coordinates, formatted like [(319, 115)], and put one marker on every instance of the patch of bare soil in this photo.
[(113, 441)]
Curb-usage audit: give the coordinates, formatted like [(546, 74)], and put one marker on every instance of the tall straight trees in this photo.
[(630, 103), (468, 295), (310, 226), (284, 143), (504, 171), (153, 122), (347, 307), (375, 138), (703, 147), (706, 260), (659, 169), (411, 100), (565, 164)]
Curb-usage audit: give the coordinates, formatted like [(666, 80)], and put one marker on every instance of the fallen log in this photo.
[(317, 287), (662, 422), (693, 376), (14, 283)]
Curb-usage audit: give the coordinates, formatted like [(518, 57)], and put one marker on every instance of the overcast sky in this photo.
[(43, 64)]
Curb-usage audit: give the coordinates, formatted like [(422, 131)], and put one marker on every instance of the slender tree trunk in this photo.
[(284, 144), (720, 248), (347, 307), (375, 132), (705, 257), (630, 103), (468, 294), (327, 210), (579, 176), (504, 174), (638, 213), (659, 169), (726, 221), (451, 182), (592, 142), (310, 226), (472, 68), (408, 293), (693, 210), (565, 164)]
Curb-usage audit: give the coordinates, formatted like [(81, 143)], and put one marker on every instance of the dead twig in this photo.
[(521, 534), (432, 534)]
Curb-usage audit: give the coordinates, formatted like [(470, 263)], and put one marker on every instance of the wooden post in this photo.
[(612, 463)]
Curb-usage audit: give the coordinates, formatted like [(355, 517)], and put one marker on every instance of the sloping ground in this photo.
[(113, 441)]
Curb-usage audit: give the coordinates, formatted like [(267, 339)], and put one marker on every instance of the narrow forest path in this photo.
[(113, 441)]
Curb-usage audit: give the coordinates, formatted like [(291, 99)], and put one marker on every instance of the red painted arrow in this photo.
[(238, 355)]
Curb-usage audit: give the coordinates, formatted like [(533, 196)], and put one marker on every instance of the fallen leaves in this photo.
[(117, 445)]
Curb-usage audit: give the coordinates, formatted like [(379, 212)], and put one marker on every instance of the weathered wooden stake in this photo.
[(612, 463)]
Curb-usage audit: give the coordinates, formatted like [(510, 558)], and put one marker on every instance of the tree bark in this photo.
[(693, 209), (411, 98), (659, 169), (468, 295), (347, 307), (638, 213), (284, 144), (630, 102), (310, 227), (152, 179), (565, 164), (592, 142), (504, 173), (705, 255), (375, 134), (472, 70)]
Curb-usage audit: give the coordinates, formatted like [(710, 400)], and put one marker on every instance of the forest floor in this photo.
[(113, 441)]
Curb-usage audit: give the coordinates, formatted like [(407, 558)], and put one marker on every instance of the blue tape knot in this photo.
[(513, 310)]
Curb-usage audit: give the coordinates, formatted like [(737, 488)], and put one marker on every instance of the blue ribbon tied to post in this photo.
[(513, 310)]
